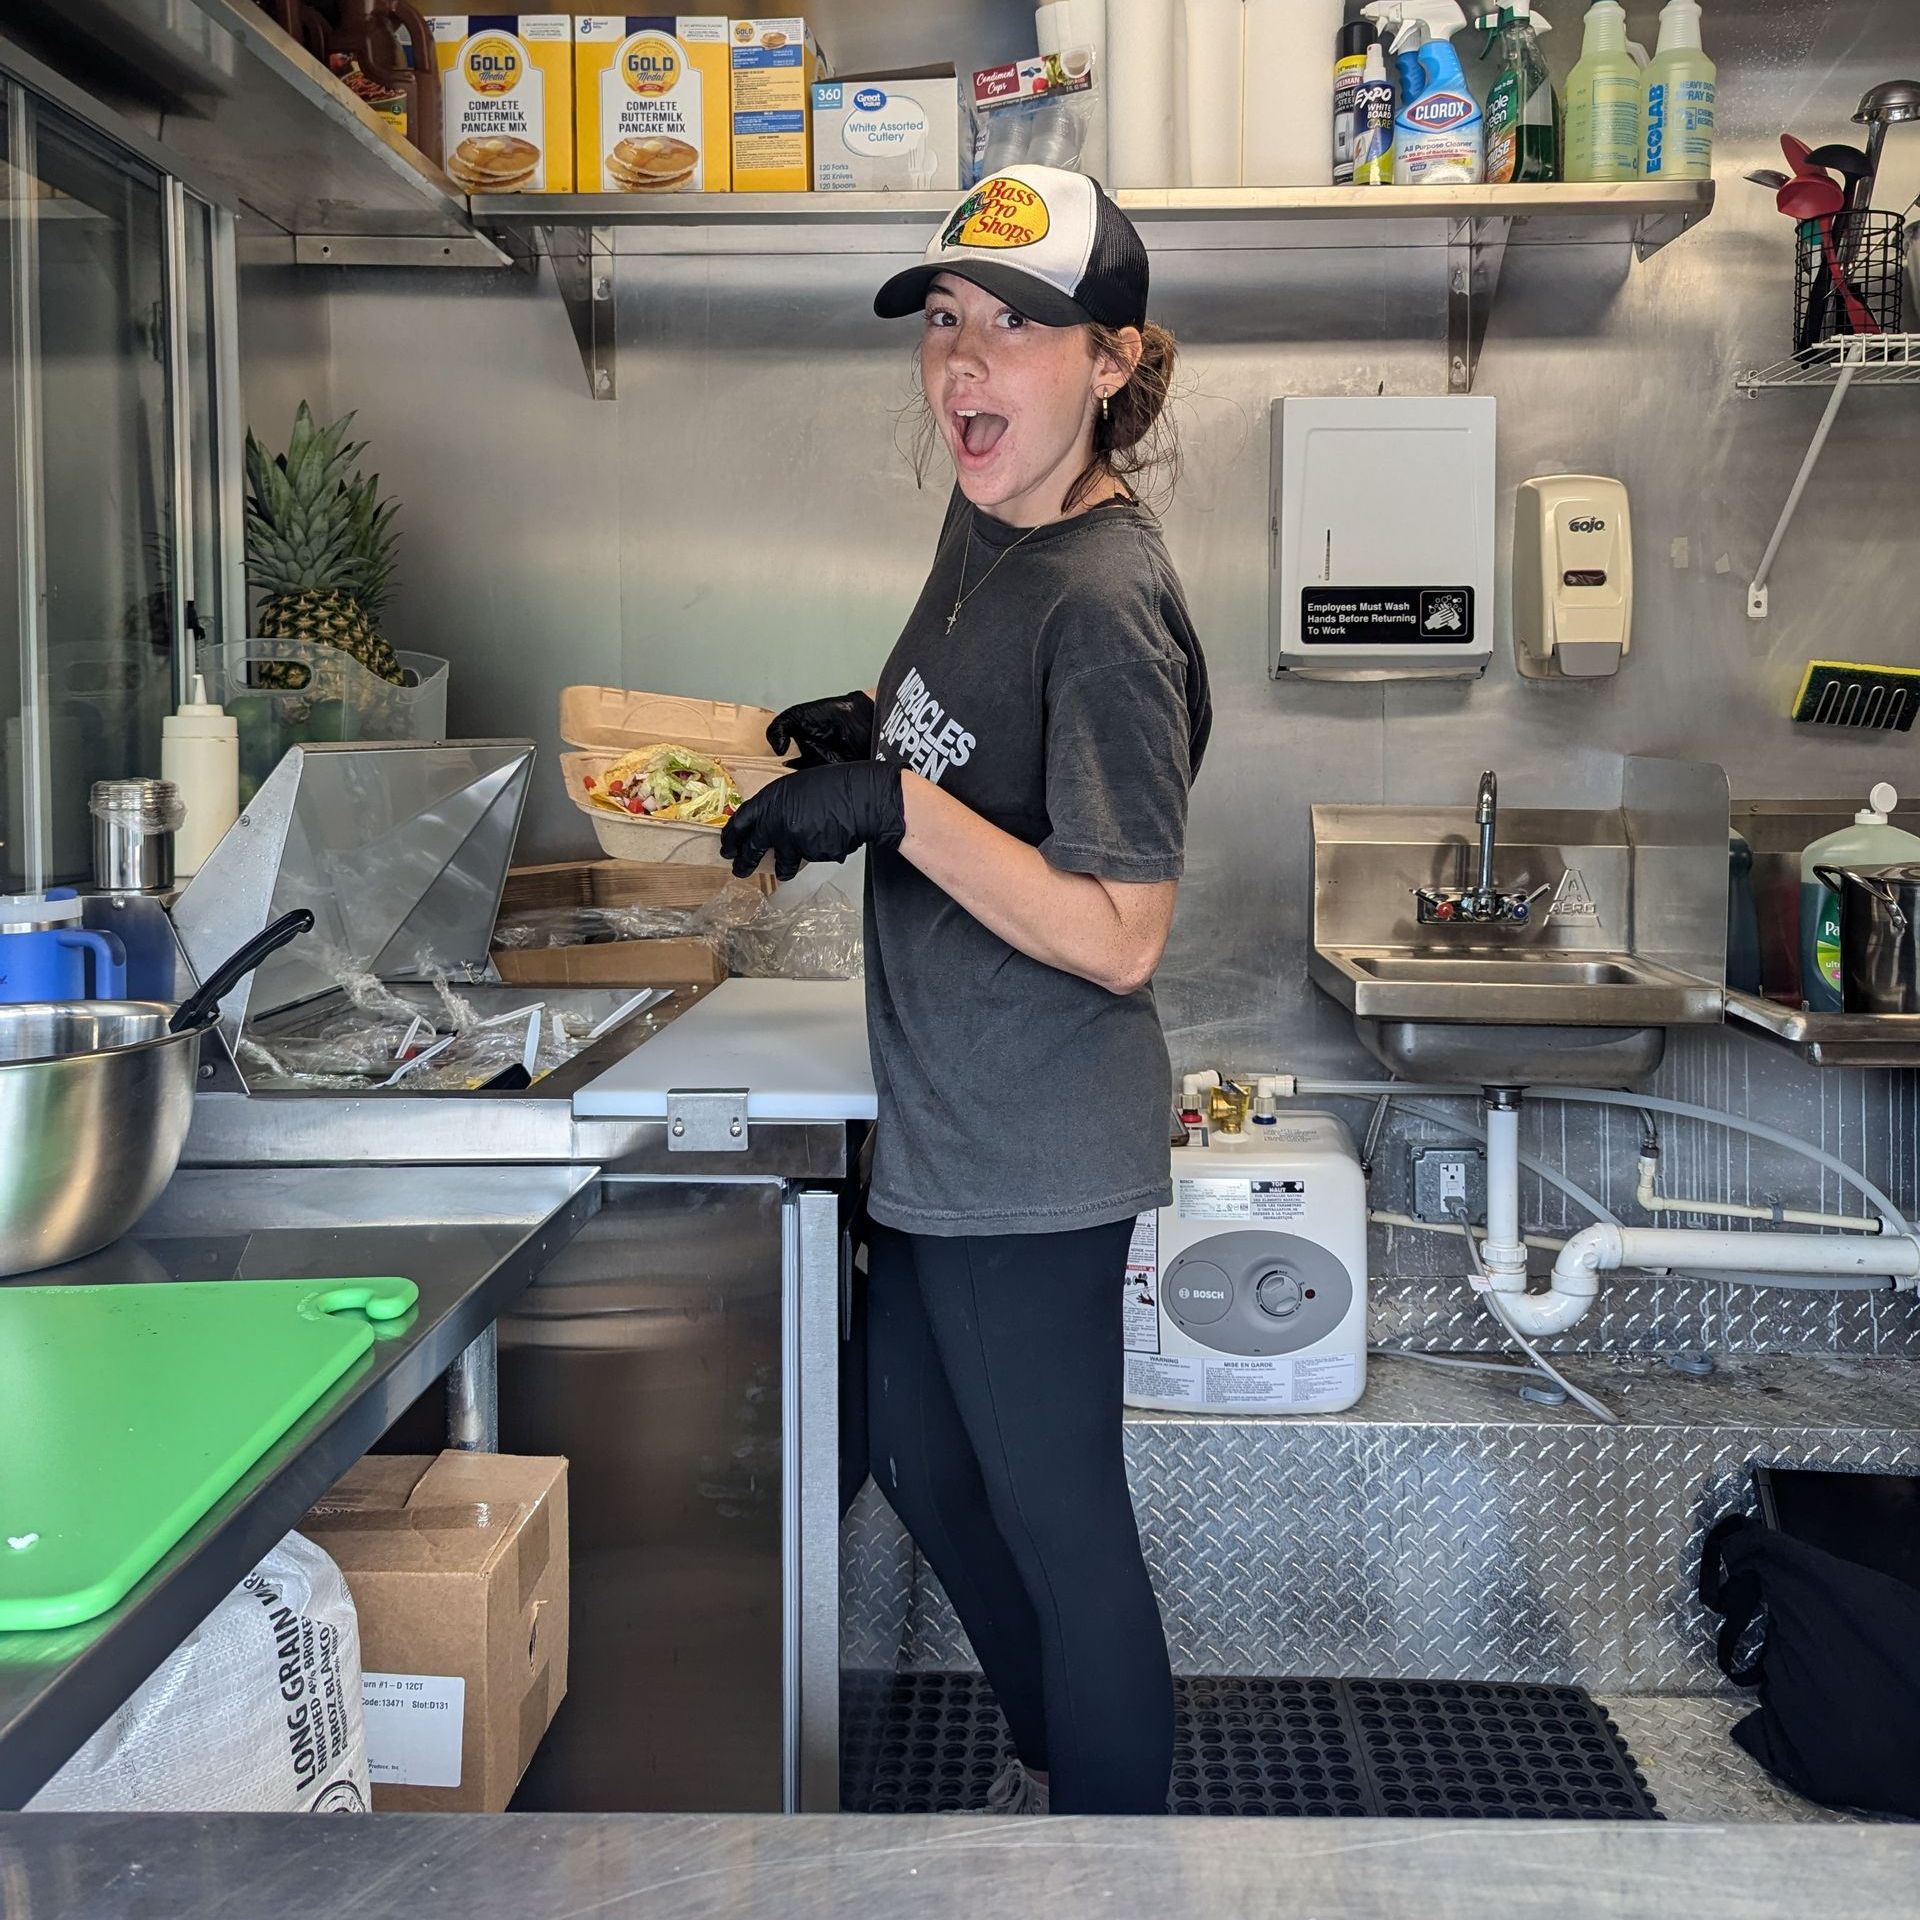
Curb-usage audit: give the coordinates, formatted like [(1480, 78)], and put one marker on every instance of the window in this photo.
[(111, 534)]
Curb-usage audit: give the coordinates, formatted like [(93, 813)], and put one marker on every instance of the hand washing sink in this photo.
[(1517, 946), (1457, 1052), (1512, 986), (1491, 970)]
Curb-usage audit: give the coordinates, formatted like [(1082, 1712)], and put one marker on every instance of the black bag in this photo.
[(1838, 1668)]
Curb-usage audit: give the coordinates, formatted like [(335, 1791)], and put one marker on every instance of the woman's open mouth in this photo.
[(976, 434)]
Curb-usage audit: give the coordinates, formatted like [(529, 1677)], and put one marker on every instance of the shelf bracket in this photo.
[(1757, 590), (582, 263), (1476, 249)]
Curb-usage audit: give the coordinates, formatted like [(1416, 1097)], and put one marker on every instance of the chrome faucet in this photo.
[(1485, 902)]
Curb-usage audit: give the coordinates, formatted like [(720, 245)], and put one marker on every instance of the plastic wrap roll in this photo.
[(1062, 26), (1140, 64), (1216, 35), (1287, 117)]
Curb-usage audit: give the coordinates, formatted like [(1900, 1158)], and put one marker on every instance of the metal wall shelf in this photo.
[(581, 233), (1835, 367), (251, 121), (1648, 216)]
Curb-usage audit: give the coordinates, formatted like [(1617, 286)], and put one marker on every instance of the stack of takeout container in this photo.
[(600, 724)]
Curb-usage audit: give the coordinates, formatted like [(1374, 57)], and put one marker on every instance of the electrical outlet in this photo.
[(1445, 1176)]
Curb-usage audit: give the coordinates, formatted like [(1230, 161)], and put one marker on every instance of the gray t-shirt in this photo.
[(1069, 707)]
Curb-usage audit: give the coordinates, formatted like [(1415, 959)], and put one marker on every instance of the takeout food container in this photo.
[(600, 724)]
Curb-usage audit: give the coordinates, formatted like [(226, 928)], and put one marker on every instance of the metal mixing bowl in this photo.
[(95, 1100)]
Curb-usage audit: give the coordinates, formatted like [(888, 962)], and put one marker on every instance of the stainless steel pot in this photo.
[(1879, 936), (95, 1100)]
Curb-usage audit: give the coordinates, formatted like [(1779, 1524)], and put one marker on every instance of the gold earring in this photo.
[(1104, 414)]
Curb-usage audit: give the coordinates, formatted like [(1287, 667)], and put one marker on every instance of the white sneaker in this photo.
[(1015, 1790)]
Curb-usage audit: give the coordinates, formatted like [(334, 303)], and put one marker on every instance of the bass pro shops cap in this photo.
[(1050, 243)]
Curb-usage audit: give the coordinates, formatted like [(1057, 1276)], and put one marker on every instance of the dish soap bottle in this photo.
[(1439, 134), (1523, 117), (1869, 842), (200, 754), (1681, 83), (1603, 101)]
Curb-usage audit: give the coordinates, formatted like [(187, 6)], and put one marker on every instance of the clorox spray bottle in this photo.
[(1439, 134)]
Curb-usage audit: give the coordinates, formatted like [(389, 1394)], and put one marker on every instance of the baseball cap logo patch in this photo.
[(1000, 212)]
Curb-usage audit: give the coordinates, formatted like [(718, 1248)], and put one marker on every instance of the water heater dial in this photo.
[(1280, 1295)]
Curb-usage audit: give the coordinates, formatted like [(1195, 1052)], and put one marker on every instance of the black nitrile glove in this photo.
[(826, 731), (817, 813)]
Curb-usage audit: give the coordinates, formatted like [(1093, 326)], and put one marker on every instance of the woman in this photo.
[(1024, 805)]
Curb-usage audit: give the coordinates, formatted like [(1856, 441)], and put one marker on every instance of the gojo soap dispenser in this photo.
[(1572, 577)]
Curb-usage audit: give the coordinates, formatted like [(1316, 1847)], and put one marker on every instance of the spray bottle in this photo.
[(1681, 83), (1603, 100), (1523, 117), (1439, 134), (1373, 110)]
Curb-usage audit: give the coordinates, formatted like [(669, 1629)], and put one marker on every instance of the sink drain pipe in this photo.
[(1575, 1283)]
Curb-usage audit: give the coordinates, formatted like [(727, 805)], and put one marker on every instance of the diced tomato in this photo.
[(636, 805), (616, 787), (590, 783)]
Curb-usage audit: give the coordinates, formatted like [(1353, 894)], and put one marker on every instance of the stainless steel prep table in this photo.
[(689, 1867), (469, 1237)]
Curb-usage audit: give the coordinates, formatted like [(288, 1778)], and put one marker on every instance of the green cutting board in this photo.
[(126, 1412)]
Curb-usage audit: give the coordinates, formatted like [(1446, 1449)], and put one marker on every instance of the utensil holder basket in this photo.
[(1869, 247)]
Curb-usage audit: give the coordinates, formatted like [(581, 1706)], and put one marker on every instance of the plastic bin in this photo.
[(338, 699)]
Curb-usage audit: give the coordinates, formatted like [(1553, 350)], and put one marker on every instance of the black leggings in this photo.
[(993, 1378)]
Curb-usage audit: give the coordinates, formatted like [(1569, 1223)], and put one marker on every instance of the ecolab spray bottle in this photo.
[(1439, 134)]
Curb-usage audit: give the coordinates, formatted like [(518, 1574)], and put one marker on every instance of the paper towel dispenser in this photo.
[(1382, 537), (1572, 576)]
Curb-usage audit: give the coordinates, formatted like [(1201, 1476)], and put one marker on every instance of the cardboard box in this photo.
[(775, 63), (613, 963), (670, 962), (616, 883), (506, 92), (887, 132), (653, 103), (458, 1570)]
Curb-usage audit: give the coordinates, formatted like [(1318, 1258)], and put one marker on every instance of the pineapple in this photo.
[(320, 546)]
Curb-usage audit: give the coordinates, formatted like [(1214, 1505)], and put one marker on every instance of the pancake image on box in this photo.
[(657, 164), (493, 163)]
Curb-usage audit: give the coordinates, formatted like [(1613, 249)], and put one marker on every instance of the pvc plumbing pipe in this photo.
[(1504, 1251), (1600, 1249), (1647, 1195), (1893, 1220)]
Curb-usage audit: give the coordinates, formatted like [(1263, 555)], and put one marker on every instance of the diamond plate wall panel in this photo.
[(1419, 1297), (1443, 1529)]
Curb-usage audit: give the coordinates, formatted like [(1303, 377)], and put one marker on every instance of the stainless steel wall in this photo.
[(740, 522)]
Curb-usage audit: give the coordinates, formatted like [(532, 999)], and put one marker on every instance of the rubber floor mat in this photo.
[(1325, 1749)]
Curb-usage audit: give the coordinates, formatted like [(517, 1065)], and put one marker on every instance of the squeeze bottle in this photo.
[(1680, 86), (200, 754), (1869, 842), (1603, 100)]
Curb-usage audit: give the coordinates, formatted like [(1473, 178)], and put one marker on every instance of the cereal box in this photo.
[(774, 66), (506, 84), (652, 103)]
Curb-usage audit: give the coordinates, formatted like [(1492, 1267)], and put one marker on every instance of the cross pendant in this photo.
[(953, 617)]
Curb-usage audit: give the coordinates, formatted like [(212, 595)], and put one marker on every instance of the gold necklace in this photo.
[(961, 599)]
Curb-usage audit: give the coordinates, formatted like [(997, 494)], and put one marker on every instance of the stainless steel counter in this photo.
[(685, 1867), (469, 1237)]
